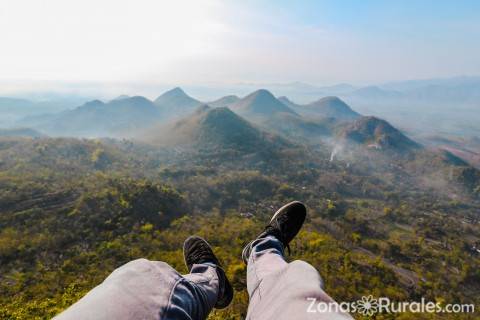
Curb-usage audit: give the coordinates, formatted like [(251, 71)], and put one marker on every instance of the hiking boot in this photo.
[(284, 225), (196, 251)]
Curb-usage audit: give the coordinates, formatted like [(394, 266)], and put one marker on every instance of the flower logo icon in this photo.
[(368, 305)]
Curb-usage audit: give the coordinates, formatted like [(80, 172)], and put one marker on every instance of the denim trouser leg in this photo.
[(143, 289), (280, 290)]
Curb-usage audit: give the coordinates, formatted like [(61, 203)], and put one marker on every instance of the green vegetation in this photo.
[(71, 211)]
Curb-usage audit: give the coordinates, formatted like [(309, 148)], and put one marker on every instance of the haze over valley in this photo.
[(440, 113)]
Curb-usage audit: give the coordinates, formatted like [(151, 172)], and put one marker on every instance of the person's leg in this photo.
[(266, 258), (195, 295), (277, 289), (143, 289)]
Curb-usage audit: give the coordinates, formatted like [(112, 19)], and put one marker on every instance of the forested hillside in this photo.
[(71, 211)]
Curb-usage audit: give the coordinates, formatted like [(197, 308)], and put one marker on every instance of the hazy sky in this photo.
[(221, 41)]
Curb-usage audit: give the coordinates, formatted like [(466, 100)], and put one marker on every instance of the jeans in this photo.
[(143, 289), (279, 290)]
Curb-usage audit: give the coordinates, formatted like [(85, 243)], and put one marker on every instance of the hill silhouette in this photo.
[(176, 102), (260, 103), (332, 107)]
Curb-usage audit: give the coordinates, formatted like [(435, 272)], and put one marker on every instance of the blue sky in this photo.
[(378, 16), (224, 41)]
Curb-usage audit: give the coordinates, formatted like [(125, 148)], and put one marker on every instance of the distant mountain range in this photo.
[(458, 90), (329, 117), (97, 118), (417, 105), (253, 131), (124, 115)]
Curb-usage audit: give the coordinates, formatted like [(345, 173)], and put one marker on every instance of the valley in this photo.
[(89, 189)]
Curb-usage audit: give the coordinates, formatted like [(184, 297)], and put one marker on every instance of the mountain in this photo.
[(260, 104), (226, 101), (216, 129), (176, 102), (332, 107), (97, 118), (21, 132), (288, 102), (377, 134)]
